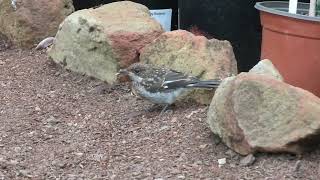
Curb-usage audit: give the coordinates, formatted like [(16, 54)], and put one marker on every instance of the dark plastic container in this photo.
[(234, 20)]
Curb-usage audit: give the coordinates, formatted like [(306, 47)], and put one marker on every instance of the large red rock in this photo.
[(260, 113), (97, 42), (195, 55), (26, 23)]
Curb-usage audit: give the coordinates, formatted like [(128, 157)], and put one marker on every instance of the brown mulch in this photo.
[(55, 124)]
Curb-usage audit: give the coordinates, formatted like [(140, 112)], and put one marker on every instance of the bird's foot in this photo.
[(154, 107), (166, 109)]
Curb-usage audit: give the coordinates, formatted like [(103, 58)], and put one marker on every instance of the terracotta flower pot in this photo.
[(292, 43)]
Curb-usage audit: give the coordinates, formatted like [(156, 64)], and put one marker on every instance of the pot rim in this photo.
[(282, 8)]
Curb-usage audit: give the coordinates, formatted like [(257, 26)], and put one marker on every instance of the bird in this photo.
[(14, 4), (160, 85), (45, 43)]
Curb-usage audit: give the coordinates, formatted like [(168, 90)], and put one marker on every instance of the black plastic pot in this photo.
[(234, 20), (151, 4)]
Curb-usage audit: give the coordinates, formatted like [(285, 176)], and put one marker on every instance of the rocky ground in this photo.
[(55, 124)]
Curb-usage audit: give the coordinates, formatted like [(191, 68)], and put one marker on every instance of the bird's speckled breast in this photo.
[(158, 97)]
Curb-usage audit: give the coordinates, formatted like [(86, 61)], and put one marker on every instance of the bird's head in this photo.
[(135, 71)]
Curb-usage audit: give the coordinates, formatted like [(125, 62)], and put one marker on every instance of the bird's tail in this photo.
[(205, 84)]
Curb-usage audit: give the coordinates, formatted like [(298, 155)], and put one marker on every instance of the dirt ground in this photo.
[(55, 124)]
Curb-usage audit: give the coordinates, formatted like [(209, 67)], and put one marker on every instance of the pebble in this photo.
[(136, 173), (53, 121), (181, 177), (13, 162), (24, 173), (203, 146), (232, 165), (59, 164), (79, 154), (222, 162), (248, 160), (19, 73), (37, 108), (17, 149), (164, 128), (57, 73)]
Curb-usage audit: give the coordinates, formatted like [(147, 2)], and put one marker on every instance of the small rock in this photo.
[(163, 128), (59, 164), (53, 121), (136, 173), (13, 162), (248, 160), (2, 62), (19, 73), (81, 165), (17, 149), (24, 173), (203, 146), (181, 177), (79, 154), (57, 73), (37, 108), (47, 137), (222, 162)]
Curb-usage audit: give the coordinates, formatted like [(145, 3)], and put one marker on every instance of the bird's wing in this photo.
[(153, 79), (175, 79), (152, 85)]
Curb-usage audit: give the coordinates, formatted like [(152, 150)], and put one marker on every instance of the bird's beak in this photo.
[(122, 72)]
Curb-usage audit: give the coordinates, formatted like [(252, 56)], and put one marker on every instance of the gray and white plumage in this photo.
[(45, 43), (161, 85), (14, 4)]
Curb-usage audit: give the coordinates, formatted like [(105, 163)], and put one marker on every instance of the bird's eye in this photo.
[(136, 71)]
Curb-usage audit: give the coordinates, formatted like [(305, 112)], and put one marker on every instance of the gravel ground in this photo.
[(55, 124)]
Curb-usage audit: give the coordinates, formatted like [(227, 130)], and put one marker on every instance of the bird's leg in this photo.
[(152, 108), (164, 109)]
